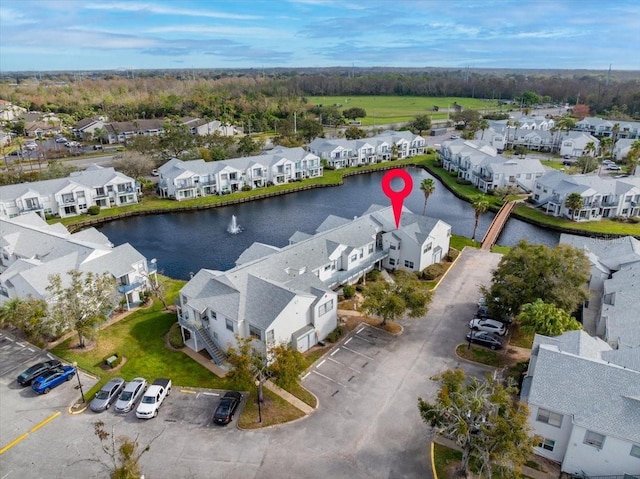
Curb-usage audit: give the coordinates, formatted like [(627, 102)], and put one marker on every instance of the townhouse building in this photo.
[(614, 129), (182, 180), (71, 196), (531, 132), (479, 163), (341, 153), (611, 312), (576, 143), (622, 147), (287, 295), (590, 423), (32, 250), (602, 197)]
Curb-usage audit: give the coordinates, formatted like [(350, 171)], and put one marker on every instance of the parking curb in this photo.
[(78, 411), (471, 361)]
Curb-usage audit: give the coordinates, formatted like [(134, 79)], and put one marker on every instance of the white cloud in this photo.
[(13, 17), (218, 30), (166, 10)]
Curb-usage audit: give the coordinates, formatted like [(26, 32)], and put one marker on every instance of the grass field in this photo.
[(401, 109)]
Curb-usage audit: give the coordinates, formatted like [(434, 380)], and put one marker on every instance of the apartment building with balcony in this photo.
[(71, 196), (182, 180), (287, 295), (602, 197), (32, 250)]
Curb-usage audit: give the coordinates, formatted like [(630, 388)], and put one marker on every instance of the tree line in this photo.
[(262, 100)]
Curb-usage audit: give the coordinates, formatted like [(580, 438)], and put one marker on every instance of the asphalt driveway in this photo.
[(370, 428)]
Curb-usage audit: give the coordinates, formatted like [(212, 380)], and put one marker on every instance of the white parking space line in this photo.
[(347, 341), (31, 349), (210, 394), (337, 349), (360, 330), (320, 363), (21, 345), (363, 355), (368, 341), (345, 366), (330, 379), (9, 339), (305, 376)]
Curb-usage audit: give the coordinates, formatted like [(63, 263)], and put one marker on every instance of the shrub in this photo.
[(359, 288), (336, 334), (94, 210), (348, 291), (246, 188), (374, 275), (433, 271), (462, 181), (452, 254), (634, 220), (175, 337)]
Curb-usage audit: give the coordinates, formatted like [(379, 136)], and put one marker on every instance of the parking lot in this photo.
[(350, 364)]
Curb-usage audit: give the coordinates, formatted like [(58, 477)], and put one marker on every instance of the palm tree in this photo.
[(427, 186), (484, 125), (633, 156), (606, 143), (516, 124), (480, 205), (574, 202), (590, 148)]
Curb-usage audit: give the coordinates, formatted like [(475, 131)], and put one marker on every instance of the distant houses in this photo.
[(341, 153), (71, 196), (287, 295)]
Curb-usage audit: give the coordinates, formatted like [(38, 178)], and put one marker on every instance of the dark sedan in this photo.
[(490, 340), (227, 407), (26, 377)]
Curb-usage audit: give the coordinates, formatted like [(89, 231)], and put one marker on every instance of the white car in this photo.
[(489, 325), (130, 395)]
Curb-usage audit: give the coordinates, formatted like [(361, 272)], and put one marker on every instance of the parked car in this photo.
[(130, 395), (454, 137), (52, 378), (153, 398), (61, 139), (487, 324), (614, 168), (30, 146), (97, 147), (484, 338), (26, 377), (227, 407), (72, 144), (608, 162), (155, 172), (107, 395)]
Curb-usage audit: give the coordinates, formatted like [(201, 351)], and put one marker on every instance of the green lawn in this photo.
[(444, 457), (401, 109), (481, 355)]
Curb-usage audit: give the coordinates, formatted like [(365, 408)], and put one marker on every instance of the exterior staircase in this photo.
[(216, 354)]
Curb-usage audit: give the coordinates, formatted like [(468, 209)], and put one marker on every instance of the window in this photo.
[(408, 264), (392, 246), (354, 257), (325, 308), (551, 418), (229, 324), (215, 335), (214, 315), (255, 332), (370, 248), (392, 261), (427, 247), (635, 451), (270, 337), (594, 439), (547, 444)]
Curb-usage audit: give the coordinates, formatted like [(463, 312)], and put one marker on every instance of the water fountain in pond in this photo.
[(233, 228)]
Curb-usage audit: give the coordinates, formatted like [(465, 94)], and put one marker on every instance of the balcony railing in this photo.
[(341, 277), (126, 288)]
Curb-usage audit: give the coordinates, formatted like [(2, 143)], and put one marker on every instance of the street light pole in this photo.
[(75, 365), (259, 385)]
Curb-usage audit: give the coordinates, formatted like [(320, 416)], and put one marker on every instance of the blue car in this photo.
[(49, 380)]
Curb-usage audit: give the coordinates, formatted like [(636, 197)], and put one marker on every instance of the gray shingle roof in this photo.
[(622, 318), (597, 394)]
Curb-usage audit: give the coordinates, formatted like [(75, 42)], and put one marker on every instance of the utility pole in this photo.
[(295, 122)]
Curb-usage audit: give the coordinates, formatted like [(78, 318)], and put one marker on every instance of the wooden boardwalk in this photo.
[(497, 225)]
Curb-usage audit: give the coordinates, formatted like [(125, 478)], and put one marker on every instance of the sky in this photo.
[(78, 35)]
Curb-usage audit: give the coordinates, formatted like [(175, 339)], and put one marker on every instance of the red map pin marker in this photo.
[(397, 197)]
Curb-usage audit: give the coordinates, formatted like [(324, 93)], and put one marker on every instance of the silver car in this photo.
[(107, 395), (130, 395), (488, 325)]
